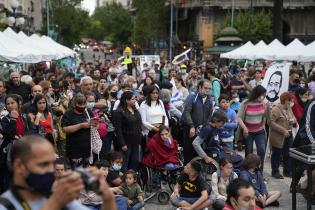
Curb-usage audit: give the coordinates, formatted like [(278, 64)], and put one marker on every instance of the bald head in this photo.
[(37, 90), (15, 77)]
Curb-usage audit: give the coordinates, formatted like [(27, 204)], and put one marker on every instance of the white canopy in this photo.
[(238, 53), (295, 51), (21, 48)]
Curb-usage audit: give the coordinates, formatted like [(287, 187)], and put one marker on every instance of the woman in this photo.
[(110, 96), (48, 92), (75, 122), (300, 100), (180, 85), (281, 123), (152, 112), (42, 118), (311, 84), (220, 180), (253, 175), (127, 122), (161, 151), (251, 117), (14, 126)]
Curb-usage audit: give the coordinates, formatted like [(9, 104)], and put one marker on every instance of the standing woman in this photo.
[(14, 125), (42, 118), (152, 112), (300, 100), (252, 116), (127, 122), (281, 123), (76, 124)]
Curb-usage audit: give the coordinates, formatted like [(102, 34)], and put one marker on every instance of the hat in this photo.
[(196, 166)]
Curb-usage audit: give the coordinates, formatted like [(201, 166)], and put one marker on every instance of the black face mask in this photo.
[(113, 76), (40, 183), (297, 80), (114, 94)]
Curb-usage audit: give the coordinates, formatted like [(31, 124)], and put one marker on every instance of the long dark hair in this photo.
[(150, 89), (34, 105), (127, 95), (17, 98), (256, 93)]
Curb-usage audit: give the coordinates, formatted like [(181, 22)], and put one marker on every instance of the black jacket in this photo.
[(23, 90)]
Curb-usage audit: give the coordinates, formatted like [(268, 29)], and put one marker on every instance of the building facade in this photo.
[(199, 20), (125, 3), (31, 10)]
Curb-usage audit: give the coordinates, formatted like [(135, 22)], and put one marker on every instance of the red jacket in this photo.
[(297, 109), (158, 154), (228, 207)]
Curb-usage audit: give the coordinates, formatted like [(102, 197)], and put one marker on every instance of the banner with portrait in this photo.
[(276, 81)]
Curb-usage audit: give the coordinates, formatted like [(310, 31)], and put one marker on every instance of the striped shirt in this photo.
[(254, 115)]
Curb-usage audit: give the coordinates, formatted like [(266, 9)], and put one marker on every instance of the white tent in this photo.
[(252, 54), (293, 51), (309, 53), (21, 48), (269, 52), (238, 53)]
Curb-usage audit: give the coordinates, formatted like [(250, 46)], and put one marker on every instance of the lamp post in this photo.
[(171, 33), (12, 17)]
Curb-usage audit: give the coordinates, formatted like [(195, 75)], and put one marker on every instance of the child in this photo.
[(220, 180), (89, 198), (235, 101), (190, 190), (114, 173), (132, 190), (226, 133), (252, 174), (208, 136)]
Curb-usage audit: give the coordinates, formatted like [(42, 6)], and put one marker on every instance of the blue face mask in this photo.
[(41, 183), (116, 167)]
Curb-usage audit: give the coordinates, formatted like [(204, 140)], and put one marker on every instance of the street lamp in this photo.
[(12, 17)]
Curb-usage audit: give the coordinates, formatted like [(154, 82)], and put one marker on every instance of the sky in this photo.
[(89, 5)]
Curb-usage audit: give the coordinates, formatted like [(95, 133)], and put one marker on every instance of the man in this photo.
[(15, 86), (225, 79), (274, 86), (86, 84), (36, 90), (2, 94), (240, 196), (257, 80), (97, 74), (216, 86), (240, 85), (192, 82), (32, 165), (197, 110), (294, 81), (70, 78)]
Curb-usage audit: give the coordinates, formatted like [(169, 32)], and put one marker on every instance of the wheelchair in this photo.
[(160, 182)]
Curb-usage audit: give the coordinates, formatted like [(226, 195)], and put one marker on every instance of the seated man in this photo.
[(190, 190), (240, 195), (162, 151)]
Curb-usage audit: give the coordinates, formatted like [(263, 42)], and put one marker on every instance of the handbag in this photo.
[(96, 141)]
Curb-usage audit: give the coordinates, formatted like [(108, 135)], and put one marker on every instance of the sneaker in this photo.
[(275, 203)]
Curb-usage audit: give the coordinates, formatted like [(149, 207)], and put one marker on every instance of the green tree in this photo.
[(71, 19), (151, 20), (251, 27), (111, 22)]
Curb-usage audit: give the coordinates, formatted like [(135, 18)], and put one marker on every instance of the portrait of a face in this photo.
[(274, 86)]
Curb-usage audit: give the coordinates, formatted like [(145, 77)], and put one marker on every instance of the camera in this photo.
[(91, 183)]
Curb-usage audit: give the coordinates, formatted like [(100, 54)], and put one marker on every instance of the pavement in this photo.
[(272, 184)]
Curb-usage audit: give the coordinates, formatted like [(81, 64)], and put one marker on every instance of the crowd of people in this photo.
[(112, 123)]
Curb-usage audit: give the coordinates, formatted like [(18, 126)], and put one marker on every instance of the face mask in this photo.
[(296, 80), (90, 105), (114, 94), (256, 169), (41, 183), (80, 109), (290, 105), (134, 85), (237, 100), (113, 76), (116, 167), (302, 85), (304, 99)]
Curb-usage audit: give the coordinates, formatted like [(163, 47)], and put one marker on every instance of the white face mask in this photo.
[(261, 98), (134, 85), (116, 167), (237, 100), (304, 99)]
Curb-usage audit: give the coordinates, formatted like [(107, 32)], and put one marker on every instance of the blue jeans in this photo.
[(260, 141), (131, 158), (121, 202), (276, 155), (107, 143), (94, 207), (175, 202), (136, 206)]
